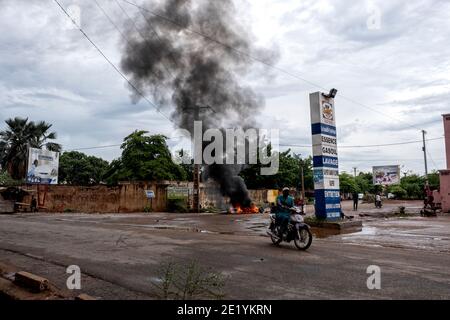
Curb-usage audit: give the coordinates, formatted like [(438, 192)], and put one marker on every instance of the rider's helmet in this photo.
[(286, 191)]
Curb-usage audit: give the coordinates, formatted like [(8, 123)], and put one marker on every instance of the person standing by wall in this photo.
[(355, 197)]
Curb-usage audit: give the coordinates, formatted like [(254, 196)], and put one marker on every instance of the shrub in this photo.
[(369, 198), (188, 281), (398, 191), (177, 205), (7, 181)]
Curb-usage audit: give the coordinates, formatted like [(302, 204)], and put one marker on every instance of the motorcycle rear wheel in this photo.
[(303, 239), (275, 241)]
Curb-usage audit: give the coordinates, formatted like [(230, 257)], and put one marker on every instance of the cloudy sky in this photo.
[(390, 61)]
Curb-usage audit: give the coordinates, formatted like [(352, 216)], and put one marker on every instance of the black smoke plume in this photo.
[(169, 59)]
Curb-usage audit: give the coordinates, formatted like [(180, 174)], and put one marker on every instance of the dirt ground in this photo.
[(119, 254)]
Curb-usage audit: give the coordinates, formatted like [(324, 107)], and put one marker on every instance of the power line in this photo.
[(112, 145), (364, 146), (248, 55), (111, 21), (111, 63), (142, 36), (281, 145), (154, 30), (93, 148), (432, 160)]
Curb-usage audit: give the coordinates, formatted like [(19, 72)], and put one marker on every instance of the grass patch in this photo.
[(188, 281)]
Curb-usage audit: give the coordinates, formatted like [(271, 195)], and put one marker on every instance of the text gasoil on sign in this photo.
[(325, 157)]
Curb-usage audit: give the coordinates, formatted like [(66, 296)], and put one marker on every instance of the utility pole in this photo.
[(302, 176), (303, 182), (425, 154), (196, 198), (354, 171)]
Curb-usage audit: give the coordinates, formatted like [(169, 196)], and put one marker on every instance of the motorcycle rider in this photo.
[(285, 203)]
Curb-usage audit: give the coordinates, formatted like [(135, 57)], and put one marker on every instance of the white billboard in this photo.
[(386, 175), (42, 166)]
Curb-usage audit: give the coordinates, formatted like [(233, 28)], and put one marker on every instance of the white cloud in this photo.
[(50, 72)]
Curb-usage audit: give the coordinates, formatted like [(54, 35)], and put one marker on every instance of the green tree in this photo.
[(413, 185), (7, 181), (144, 158), (77, 168), (398, 191), (348, 183), (289, 173), (183, 157), (17, 137), (434, 180), (365, 182)]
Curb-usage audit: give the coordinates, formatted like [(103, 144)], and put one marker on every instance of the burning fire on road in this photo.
[(238, 209)]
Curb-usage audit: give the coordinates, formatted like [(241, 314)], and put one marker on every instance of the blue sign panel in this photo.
[(320, 128), (323, 161), (325, 158), (150, 194)]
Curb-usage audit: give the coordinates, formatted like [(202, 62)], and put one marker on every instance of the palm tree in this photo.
[(17, 138)]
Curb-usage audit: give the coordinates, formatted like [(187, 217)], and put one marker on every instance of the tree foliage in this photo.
[(289, 174), (77, 168), (144, 158), (17, 137), (348, 183), (413, 185), (186, 162), (7, 181), (410, 187)]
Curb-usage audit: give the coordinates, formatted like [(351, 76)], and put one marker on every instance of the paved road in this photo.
[(119, 255)]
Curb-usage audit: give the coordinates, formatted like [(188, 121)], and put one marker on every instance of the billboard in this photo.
[(174, 193), (325, 157), (42, 166), (386, 175)]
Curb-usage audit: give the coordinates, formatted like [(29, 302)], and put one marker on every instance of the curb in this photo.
[(31, 282), (24, 285)]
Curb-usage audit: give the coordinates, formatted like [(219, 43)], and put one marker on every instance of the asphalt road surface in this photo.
[(119, 255)]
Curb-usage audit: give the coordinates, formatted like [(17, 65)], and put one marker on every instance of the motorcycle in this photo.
[(297, 230)]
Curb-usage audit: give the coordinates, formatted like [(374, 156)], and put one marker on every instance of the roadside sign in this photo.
[(150, 194), (177, 193), (325, 157)]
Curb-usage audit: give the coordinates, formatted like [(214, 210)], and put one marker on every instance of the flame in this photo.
[(237, 209)]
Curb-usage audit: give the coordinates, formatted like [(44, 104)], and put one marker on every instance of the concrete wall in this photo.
[(445, 190), (445, 174), (99, 199), (126, 198), (6, 206), (446, 118)]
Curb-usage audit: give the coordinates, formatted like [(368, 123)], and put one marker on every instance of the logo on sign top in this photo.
[(327, 112)]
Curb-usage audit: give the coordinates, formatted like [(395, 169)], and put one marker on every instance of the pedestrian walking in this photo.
[(378, 201)]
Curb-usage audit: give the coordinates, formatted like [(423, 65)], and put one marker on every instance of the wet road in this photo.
[(119, 255)]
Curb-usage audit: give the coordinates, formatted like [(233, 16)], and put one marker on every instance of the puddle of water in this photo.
[(367, 231), (325, 233)]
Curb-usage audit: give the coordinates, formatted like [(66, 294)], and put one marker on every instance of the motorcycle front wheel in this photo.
[(303, 238)]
